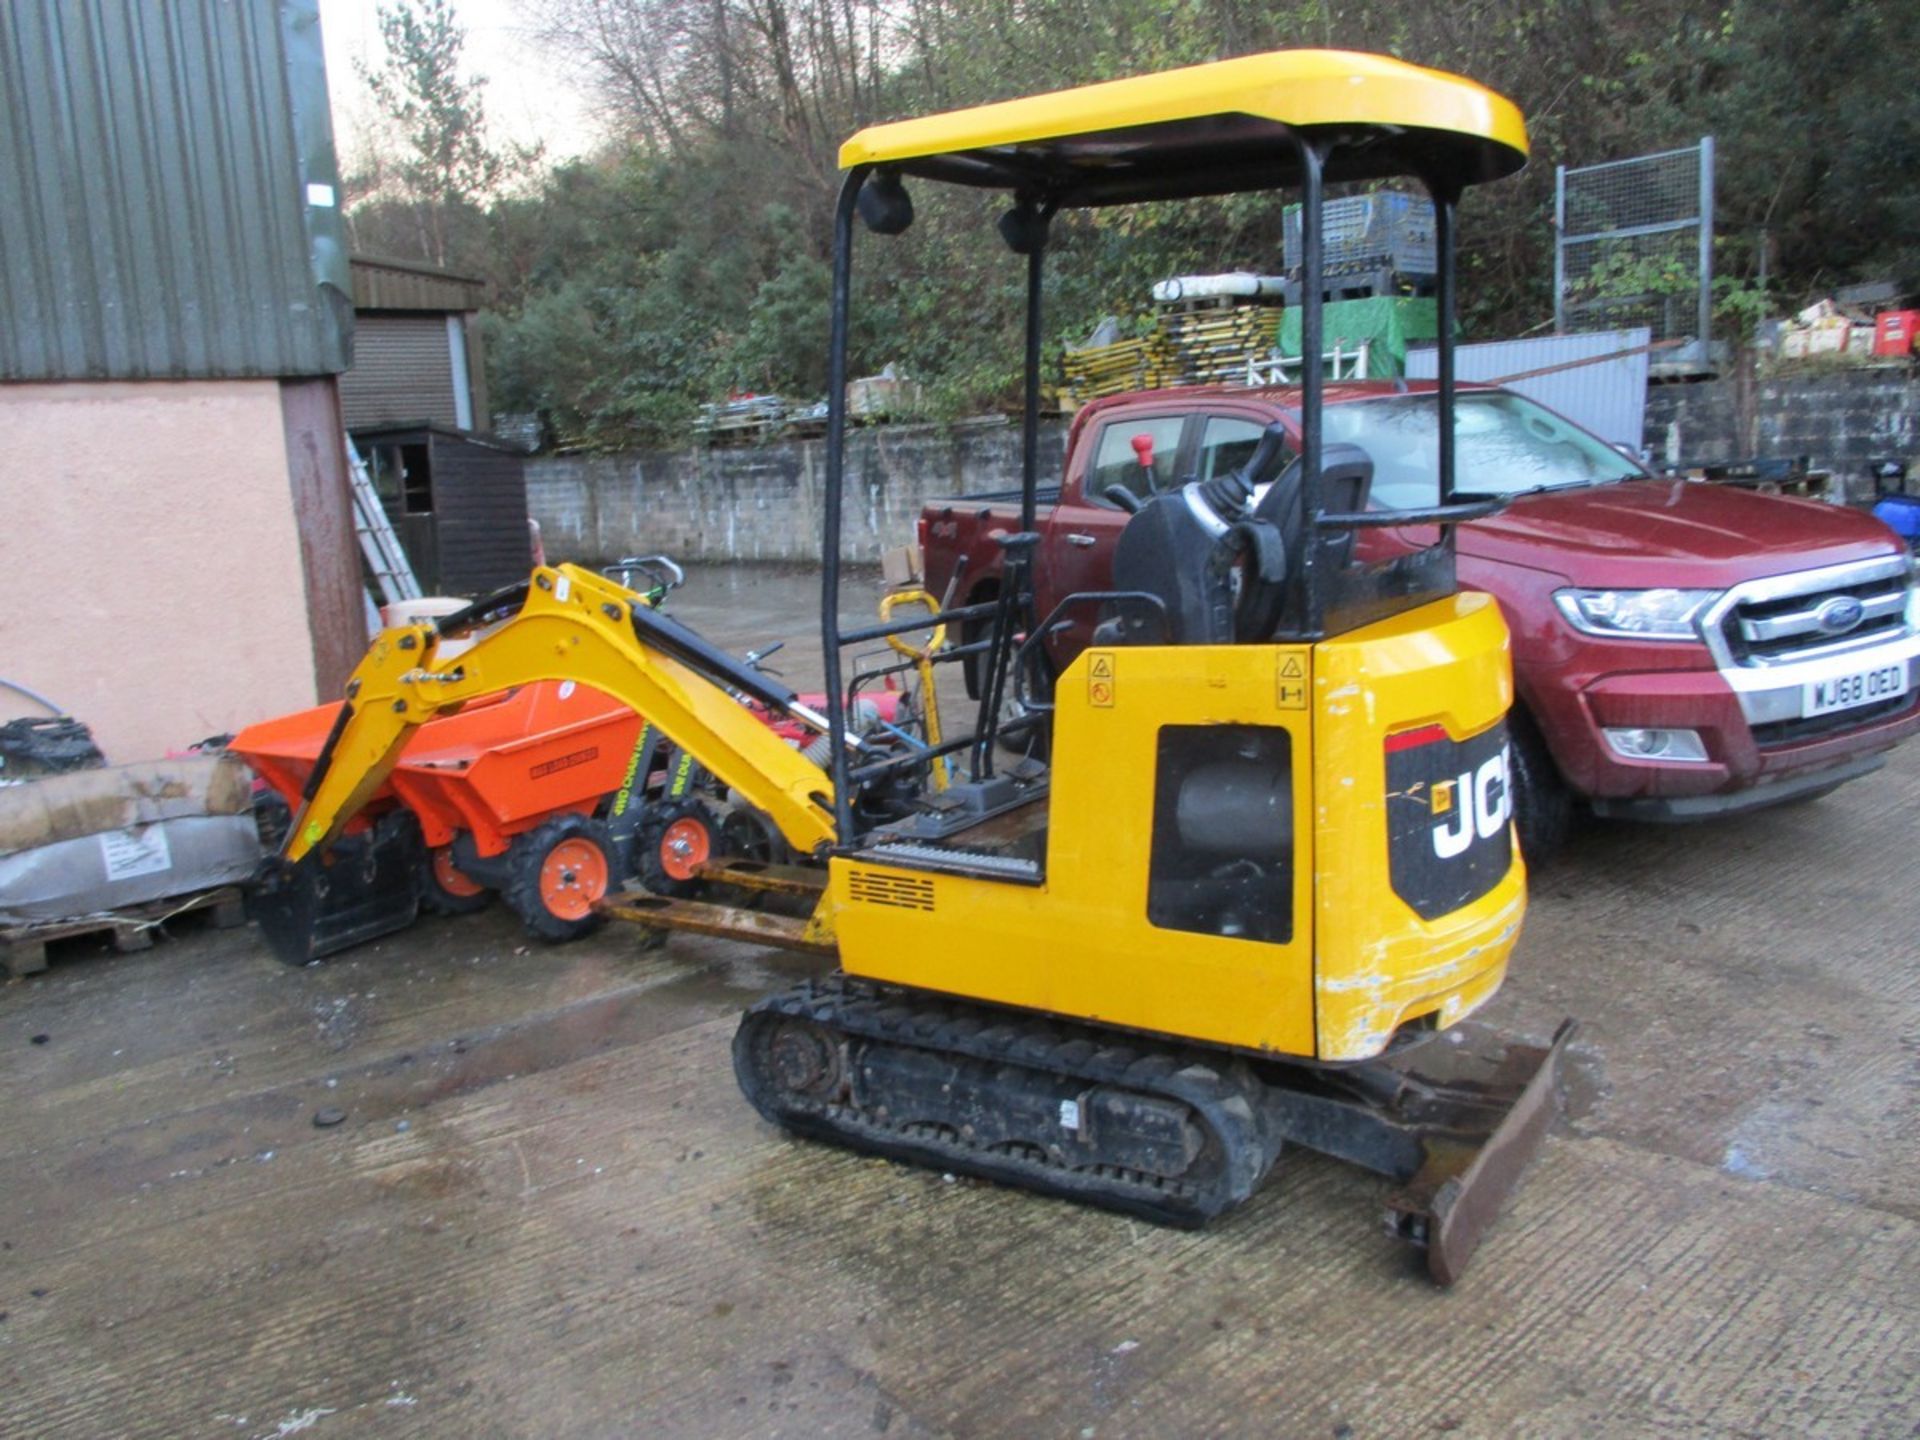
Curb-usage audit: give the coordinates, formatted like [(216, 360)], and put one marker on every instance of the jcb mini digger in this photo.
[(1272, 852)]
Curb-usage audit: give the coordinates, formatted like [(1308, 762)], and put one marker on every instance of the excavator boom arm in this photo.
[(575, 625)]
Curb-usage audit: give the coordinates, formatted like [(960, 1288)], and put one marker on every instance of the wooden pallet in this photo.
[(23, 948)]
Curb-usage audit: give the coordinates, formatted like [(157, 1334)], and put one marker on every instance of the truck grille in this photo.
[(1801, 617), (1791, 732)]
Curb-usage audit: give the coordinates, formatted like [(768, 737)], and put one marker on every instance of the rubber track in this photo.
[(1219, 1090)]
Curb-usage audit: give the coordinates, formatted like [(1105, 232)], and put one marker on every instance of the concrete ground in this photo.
[(549, 1212)]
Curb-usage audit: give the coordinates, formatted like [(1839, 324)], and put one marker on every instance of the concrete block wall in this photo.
[(1845, 420), (763, 502)]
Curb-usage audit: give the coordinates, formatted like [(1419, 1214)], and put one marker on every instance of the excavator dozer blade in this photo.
[(1469, 1169), (366, 886)]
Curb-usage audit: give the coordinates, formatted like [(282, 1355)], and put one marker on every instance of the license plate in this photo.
[(1845, 692)]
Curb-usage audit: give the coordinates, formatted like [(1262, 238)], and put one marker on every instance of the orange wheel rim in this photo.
[(684, 847), (572, 878), (449, 878)]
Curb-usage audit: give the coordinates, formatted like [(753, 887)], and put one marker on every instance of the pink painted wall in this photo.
[(150, 570)]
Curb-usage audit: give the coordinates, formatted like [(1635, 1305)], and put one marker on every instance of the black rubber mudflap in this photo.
[(365, 887)]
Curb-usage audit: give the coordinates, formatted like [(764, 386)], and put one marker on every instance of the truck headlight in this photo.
[(1635, 614)]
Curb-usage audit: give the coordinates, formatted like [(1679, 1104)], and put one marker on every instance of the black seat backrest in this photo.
[(1166, 551), (1346, 480)]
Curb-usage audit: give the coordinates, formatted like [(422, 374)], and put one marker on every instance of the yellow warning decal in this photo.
[(1290, 692), (1101, 685)]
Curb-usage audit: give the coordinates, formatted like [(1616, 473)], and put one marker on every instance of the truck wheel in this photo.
[(445, 891), (1542, 804), (559, 871), (676, 840)]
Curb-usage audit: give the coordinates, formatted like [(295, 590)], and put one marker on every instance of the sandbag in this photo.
[(91, 841)]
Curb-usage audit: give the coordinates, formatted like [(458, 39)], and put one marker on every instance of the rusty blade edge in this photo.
[(1467, 1204)]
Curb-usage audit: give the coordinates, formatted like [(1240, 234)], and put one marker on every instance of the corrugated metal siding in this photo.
[(402, 371), (399, 285), (157, 164), (1608, 396)]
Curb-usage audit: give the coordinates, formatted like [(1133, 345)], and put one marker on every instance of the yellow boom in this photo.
[(575, 625)]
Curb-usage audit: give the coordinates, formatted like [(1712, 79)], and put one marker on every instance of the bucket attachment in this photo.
[(361, 888), (1454, 1129)]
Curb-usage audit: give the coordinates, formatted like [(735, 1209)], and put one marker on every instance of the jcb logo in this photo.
[(1481, 802), (1449, 809)]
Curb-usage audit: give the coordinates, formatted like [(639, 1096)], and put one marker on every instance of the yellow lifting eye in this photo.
[(1442, 796)]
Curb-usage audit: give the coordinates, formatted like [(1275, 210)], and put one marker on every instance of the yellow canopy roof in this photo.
[(1213, 129)]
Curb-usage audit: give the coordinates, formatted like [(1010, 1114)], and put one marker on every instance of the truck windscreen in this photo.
[(1505, 444)]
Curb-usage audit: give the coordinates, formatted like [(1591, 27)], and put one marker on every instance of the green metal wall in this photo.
[(169, 197)]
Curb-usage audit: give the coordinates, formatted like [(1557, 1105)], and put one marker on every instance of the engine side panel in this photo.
[(1420, 886), (1083, 943)]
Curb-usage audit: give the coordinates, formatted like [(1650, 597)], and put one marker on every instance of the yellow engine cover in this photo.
[(1218, 862)]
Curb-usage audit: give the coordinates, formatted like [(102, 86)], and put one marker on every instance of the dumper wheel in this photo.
[(676, 840), (559, 872), (445, 891)]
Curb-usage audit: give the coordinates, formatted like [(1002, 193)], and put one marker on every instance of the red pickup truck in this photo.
[(1680, 649)]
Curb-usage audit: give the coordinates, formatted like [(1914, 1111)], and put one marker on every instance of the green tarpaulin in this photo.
[(1386, 324)]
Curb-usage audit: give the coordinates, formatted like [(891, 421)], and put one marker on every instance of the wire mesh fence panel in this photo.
[(1634, 244)]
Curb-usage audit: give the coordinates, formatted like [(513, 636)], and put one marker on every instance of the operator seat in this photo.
[(1228, 568)]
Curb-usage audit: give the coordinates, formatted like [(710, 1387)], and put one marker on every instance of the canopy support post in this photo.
[(1030, 435), (831, 501), (1445, 198), (1312, 382)]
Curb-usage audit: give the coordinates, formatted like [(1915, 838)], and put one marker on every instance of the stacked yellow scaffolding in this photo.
[(1195, 345)]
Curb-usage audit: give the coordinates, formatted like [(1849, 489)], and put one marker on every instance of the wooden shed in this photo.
[(417, 351), (458, 501)]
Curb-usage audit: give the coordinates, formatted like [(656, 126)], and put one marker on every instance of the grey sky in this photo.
[(529, 95)]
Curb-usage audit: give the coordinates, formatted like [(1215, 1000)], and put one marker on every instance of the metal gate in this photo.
[(1635, 245)]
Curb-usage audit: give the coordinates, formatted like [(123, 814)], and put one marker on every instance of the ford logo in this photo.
[(1839, 615)]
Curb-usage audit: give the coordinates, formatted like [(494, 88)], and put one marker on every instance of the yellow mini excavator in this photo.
[(1271, 854)]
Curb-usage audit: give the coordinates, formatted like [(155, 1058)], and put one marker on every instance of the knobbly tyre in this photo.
[(1271, 855)]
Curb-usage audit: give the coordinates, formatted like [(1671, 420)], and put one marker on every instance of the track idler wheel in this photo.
[(804, 1058)]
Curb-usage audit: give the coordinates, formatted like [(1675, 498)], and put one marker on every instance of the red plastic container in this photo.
[(1894, 330)]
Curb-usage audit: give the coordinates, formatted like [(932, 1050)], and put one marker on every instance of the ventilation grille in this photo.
[(903, 892)]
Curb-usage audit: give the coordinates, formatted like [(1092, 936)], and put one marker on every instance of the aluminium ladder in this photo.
[(379, 544)]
